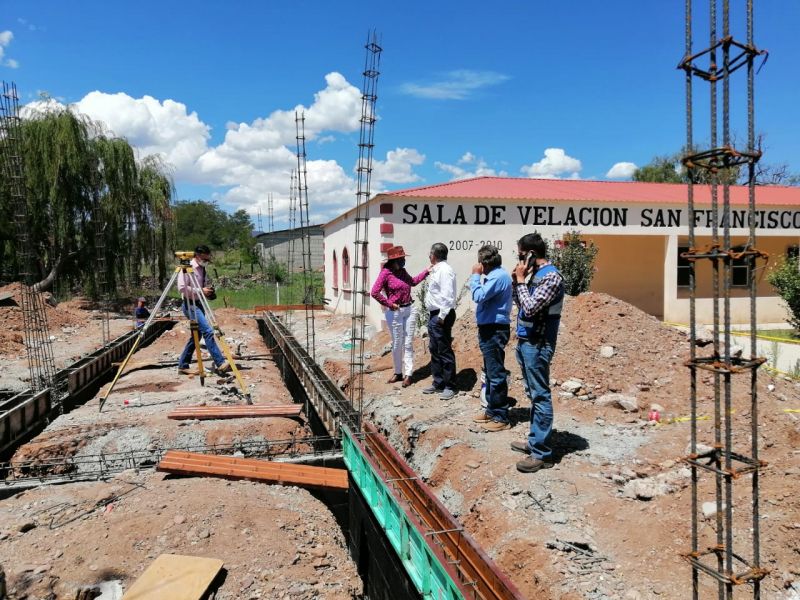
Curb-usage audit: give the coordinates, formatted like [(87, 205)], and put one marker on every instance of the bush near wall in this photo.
[(785, 278), (575, 258)]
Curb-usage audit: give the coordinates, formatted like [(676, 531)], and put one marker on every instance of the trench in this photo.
[(382, 573)]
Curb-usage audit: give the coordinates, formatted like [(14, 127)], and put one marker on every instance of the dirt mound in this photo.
[(12, 324)]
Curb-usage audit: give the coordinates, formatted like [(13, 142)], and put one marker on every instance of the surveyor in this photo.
[(491, 290), (539, 293), (193, 310), (440, 301)]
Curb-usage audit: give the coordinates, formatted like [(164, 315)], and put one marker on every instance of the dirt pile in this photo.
[(12, 325)]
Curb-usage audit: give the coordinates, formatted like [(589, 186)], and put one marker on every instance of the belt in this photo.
[(406, 304), (435, 312)]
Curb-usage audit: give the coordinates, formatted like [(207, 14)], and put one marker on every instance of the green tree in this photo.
[(670, 169), (80, 182), (785, 278), (575, 258)]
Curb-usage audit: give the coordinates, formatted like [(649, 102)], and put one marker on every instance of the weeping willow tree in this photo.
[(89, 195)]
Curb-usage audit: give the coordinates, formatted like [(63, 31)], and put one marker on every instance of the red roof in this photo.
[(510, 188)]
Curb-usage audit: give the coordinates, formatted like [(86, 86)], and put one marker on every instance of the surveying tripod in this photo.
[(196, 301)]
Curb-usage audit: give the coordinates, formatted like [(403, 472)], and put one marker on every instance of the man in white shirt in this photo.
[(440, 300)]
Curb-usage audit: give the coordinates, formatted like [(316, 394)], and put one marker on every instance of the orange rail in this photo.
[(229, 467), (235, 412)]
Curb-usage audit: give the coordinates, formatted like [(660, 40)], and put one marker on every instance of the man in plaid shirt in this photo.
[(538, 292)]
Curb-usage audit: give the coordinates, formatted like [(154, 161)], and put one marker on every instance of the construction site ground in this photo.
[(276, 542), (612, 518), (609, 520)]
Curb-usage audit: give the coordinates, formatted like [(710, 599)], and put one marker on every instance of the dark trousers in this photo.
[(492, 340), (443, 359)]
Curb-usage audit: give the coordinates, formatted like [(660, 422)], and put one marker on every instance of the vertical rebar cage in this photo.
[(366, 145), (722, 556), (37, 333), (305, 233)]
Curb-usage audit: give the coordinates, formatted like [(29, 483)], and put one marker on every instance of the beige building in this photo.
[(639, 229)]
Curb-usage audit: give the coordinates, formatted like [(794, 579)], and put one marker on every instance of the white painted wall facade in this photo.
[(465, 224)]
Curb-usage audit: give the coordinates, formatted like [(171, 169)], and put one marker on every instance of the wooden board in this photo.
[(243, 411), (175, 577), (230, 467)]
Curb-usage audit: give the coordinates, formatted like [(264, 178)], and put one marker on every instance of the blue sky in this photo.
[(552, 89)]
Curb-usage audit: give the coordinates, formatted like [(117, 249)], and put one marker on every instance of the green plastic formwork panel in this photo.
[(423, 567)]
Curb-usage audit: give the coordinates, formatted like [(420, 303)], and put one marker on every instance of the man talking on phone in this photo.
[(538, 292)]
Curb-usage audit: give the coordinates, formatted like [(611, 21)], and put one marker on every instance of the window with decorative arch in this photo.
[(335, 271), (345, 269)]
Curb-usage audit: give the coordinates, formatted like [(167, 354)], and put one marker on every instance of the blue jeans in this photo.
[(208, 335), (534, 362), (492, 340)]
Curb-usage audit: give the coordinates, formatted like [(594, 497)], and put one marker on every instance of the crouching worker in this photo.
[(539, 293), (194, 311), (141, 313)]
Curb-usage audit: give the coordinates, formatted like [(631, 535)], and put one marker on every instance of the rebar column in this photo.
[(305, 233), (366, 145), (720, 560), (41, 365)]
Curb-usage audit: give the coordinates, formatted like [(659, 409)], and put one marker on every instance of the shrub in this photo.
[(785, 278), (575, 258)]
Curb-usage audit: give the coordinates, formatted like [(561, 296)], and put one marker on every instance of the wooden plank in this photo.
[(229, 467), (176, 577), (242, 411), (285, 307)]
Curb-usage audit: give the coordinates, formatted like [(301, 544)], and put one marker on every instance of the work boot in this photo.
[(431, 389), (481, 418), (396, 378), (447, 394), (184, 371), (520, 447), (530, 464), (407, 382), (493, 426)]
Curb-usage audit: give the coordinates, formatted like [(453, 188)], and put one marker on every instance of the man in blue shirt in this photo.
[(493, 314)]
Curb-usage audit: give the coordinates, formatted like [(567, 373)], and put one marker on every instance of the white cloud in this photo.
[(469, 166), (6, 38), (621, 170), (154, 127), (455, 85), (555, 164), (397, 168), (254, 159)]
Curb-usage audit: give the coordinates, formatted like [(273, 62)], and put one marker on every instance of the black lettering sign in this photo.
[(411, 216), (481, 214), (459, 218), (498, 214), (439, 218)]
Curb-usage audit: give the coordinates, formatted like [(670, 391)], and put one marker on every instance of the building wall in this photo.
[(631, 268), (637, 258), (277, 243)]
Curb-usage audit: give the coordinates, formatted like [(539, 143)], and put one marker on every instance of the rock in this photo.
[(704, 336), (472, 464), (179, 520), (558, 518), (571, 386), (657, 407), (644, 489), (27, 526), (628, 403), (607, 351), (770, 388), (710, 509), (318, 552), (566, 395)]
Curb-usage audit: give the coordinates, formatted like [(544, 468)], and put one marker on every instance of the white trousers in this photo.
[(402, 325)]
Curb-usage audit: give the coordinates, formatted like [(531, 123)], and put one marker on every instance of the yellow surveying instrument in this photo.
[(196, 301)]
